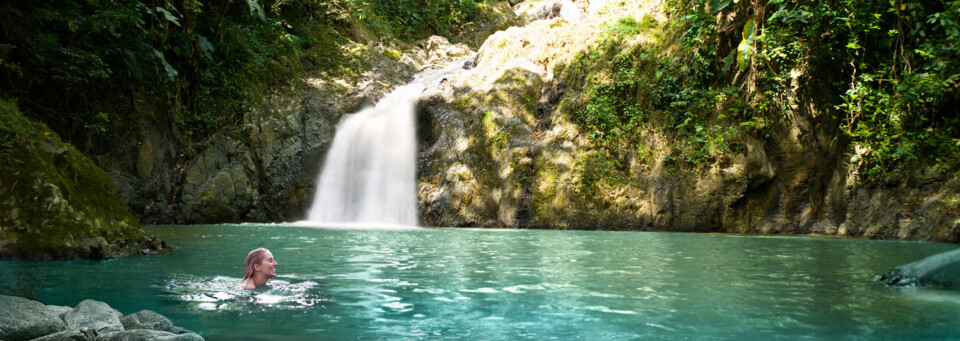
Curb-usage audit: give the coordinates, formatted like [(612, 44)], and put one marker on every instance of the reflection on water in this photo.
[(513, 285), (223, 294)]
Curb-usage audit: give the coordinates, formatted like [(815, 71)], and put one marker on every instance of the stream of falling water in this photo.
[(369, 175)]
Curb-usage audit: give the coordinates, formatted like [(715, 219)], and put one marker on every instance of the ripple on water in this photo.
[(222, 293)]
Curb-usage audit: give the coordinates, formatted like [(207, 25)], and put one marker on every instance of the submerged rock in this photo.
[(23, 319), (939, 269)]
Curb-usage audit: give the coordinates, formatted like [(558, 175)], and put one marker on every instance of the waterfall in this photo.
[(368, 177)]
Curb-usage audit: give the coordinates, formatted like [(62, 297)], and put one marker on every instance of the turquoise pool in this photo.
[(490, 284)]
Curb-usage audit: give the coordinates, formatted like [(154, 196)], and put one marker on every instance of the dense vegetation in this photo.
[(90, 68), (886, 72)]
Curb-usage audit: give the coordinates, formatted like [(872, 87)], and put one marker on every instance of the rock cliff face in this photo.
[(498, 148)]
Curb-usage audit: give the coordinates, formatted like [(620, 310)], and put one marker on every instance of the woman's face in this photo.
[(267, 266)]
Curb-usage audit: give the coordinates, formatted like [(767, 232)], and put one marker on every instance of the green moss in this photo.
[(52, 197), (600, 168), (545, 187), (499, 142), (393, 54)]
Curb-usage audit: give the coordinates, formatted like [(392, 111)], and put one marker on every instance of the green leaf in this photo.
[(131, 60), (745, 50), (205, 46), (749, 29), (729, 60), (255, 8), (171, 72), (169, 16), (718, 5)]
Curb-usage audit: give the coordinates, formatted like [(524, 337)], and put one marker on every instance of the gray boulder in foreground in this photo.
[(939, 269), (59, 310), (23, 319), (146, 319), (95, 315), (82, 334), (147, 335)]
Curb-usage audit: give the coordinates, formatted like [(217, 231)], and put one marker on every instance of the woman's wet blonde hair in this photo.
[(254, 257)]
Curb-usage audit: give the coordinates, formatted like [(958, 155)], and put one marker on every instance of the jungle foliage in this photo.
[(887, 71), (88, 68)]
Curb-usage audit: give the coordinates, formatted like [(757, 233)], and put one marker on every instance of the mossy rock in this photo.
[(55, 203)]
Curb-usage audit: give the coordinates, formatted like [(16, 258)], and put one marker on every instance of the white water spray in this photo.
[(369, 175)]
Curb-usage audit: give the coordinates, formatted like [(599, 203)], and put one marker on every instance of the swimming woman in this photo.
[(259, 268)]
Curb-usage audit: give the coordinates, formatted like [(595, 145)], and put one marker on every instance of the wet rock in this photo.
[(940, 269), (94, 248), (146, 319), (23, 319), (59, 310), (94, 315), (147, 335), (81, 334)]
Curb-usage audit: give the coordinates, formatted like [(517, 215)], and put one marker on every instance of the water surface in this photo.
[(478, 284)]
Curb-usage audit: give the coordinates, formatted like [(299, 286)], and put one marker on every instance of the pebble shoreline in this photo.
[(24, 319)]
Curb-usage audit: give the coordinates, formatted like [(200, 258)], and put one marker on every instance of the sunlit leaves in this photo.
[(745, 49)]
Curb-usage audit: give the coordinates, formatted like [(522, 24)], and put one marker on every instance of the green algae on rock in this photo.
[(55, 203)]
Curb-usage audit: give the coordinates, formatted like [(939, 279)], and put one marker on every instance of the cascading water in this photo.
[(369, 175)]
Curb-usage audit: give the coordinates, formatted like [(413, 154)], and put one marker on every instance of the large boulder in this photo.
[(59, 310), (81, 334), (23, 319), (55, 202), (147, 319), (96, 316), (939, 269)]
